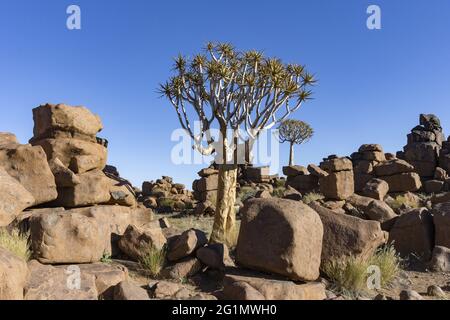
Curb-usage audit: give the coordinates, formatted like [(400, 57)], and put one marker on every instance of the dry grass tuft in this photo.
[(16, 243)]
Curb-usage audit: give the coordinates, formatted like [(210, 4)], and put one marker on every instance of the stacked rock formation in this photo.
[(166, 196), (367, 157), (300, 178), (26, 177), (424, 146), (205, 191), (256, 175), (76, 157), (339, 183)]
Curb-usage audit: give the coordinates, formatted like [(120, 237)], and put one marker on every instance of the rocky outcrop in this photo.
[(164, 195), (282, 237), (68, 135), (424, 145), (339, 183)]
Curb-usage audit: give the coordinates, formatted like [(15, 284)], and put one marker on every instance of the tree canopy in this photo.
[(295, 131), (236, 90)]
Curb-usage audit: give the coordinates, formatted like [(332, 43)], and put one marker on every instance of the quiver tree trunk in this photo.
[(291, 154), (225, 218)]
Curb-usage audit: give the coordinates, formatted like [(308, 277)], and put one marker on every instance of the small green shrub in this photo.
[(246, 193), (278, 192), (311, 197), (400, 201), (280, 183), (16, 243), (153, 260), (106, 258)]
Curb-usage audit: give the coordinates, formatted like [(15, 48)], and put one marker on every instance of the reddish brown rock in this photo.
[(280, 236)]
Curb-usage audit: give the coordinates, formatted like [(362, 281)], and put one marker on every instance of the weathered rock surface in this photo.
[(280, 236), (13, 276), (253, 286), (346, 236), (412, 233), (29, 166), (186, 244), (68, 237), (78, 121), (440, 261), (182, 269), (136, 241), (14, 198), (441, 218), (376, 189), (59, 283), (128, 291)]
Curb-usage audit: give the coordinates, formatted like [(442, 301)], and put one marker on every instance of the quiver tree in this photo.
[(239, 92), (294, 132)]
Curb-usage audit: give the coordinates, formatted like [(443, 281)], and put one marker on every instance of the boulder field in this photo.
[(93, 235)]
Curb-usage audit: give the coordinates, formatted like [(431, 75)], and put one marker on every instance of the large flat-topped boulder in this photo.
[(94, 188), (392, 167), (60, 283), (60, 237), (255, 286), (8, 138), (49, 119)]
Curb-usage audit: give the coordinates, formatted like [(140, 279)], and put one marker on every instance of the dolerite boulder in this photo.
[(339, 183), (295, 171), (68, 136), (424, 145), (186, 244), (94, 188), (399, 175), (376, 189), (440, 261), (412, 234), (78, 155), (245, 285), (367, 157), (137, 241), (28, 165), (346, 236), (280, 236), (13, 276), (54, 121), (14, 198), (441, 218), (68, 237), (444, 157), (59, 283)]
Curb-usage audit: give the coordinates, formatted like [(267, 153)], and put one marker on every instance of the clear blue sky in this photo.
[(372, 84)]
